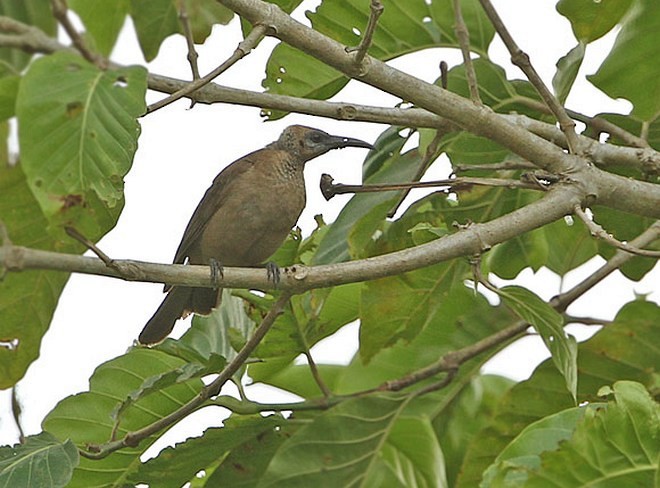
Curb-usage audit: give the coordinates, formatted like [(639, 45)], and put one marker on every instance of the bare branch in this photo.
[(521, 59), (60, 11), (244, 48), (463, 36), (474, 239), (597, 231), (190, 43), (561, 302), (330, 189), (361, 50)]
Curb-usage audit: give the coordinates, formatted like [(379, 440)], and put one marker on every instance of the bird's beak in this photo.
[(339, 142)]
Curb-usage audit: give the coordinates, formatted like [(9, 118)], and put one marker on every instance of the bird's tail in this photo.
[(162, 322)]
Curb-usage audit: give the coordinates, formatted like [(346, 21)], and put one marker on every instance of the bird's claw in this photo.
[(217, 273), (273, 273)]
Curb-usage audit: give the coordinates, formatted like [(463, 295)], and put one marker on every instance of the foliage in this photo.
[(413, 408)]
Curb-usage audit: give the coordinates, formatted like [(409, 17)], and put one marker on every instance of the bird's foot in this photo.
[(273, 273), (216, 272)]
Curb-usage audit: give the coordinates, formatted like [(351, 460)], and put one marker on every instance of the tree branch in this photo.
[(521, 59), (473, 239), (597, 231), (60, 12), (562, 301), (376, 8), (463, 36)]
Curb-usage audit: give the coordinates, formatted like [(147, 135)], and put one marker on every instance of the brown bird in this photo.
[(243, 218)]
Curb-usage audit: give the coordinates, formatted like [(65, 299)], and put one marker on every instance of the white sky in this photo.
[(181, 150)]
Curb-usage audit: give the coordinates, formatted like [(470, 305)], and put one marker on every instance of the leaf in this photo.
[(401, 307), (567, 70), (41, 461), (154, 22), (339, 447), (27, 300), (614, 446), (569, 245), (470, 411), (592, 20), (628, 71), (89, 117), (203, 15), (405, 26), (411, 456), (103, 20), (236, 453), (549, 324), (625, 349), (523, 454), (8, 91), (86, 418)]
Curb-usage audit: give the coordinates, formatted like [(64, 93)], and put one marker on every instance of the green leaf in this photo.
[(524, 452), (471, 410), (401, 307), (86, 418), (629, 71), (405, 26), (549, 324), (103, 20), (236, 453), (8, 92), (154, 21), (411, 456), (340, 447), (41, 460), (567, 70), (614, 446), (203, 15), (569, 245), (78, 135), (36, 13), (592, 20), (625, 349), (27, 300), (496, 91)]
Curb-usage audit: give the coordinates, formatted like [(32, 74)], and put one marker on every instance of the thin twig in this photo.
[(463, 36), (60, 11), (361, 50), (597, 231), (570, 319), (187, 33), (16, 412), (563, 300), (521, 59), (244, 48), (89, 245), (132, 439), (603, 125), (330, 189), (315, 374)]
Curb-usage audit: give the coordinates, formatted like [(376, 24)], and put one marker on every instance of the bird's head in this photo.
[(307, 143)]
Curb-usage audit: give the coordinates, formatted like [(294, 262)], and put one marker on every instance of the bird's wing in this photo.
[(213, 199)]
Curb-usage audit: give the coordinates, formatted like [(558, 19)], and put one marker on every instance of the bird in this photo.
[(243, 218)]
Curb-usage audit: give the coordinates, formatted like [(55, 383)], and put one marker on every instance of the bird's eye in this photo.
[(315, 137)]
